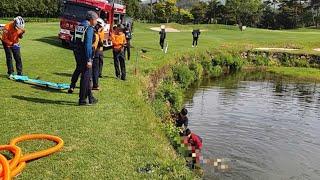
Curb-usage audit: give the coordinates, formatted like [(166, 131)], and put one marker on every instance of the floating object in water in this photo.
[(37, 82), (221, 165), (215, 163), (224, 167)]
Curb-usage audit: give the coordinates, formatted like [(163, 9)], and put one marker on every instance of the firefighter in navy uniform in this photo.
[(84, 38)]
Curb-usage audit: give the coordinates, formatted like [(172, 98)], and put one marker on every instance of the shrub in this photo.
[(228, 59), (237, 63), (197, 70), (207, 66), (260, 61), (173, 134), (168, 92), (285, 60), (301, 63), (218, 60), (216, 71), (183, 75), (160, 108)]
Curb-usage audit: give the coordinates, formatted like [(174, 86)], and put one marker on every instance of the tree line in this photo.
[(271, 14), (30, 8)]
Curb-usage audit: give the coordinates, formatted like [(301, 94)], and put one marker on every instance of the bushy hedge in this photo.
[(183, 75), (170, 93), (197, 70), (284, 60), (211, 69), (232, 62)]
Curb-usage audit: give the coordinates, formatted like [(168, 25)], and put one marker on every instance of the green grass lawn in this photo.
[(114, 138), (308, 74)]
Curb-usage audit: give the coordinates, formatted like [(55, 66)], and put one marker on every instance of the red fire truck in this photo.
[(112, 12)]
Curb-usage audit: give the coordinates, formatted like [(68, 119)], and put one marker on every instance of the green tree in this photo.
[(268, 18), (184, 16), (315, 10), (198, 11), (213, 11), (290, 13), (165, 10), (243, 10), (132, 7)]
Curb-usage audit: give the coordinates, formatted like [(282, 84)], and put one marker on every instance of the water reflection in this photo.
[(267, 126)]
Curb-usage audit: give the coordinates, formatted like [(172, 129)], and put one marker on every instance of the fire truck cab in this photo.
[(112, 12)]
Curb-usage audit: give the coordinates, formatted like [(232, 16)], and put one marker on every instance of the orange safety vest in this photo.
[(99, 38), (118, 41), (11, 35)]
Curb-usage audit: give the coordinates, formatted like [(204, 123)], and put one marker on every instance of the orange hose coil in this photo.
[(10, 168)]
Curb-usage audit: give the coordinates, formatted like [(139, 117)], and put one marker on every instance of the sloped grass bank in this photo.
[(168, 97)]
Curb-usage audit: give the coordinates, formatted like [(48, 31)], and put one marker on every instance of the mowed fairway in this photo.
[(114, 138)]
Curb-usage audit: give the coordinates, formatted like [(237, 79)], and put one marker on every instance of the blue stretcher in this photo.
[(36, 82)]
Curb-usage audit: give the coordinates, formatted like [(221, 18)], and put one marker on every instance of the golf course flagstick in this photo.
[(166, 48)]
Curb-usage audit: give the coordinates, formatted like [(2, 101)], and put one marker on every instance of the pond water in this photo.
[(264, 126)]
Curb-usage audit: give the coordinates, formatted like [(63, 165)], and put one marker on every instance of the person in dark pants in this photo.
[(195, 33), (98, 54), (84, 38), (163, 35), (118, 43), (12, 32), (127, 47), (77, 71)]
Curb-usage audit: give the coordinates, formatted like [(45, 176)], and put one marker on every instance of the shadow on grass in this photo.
[(52, 40), (63, 74), (44, 101), (148, 49), (48, 89), (3, 76), (108, 77)]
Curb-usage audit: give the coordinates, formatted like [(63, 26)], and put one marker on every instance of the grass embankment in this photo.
[(308, 74), (119, 135)]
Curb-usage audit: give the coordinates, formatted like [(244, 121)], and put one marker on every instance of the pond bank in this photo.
[(167, 85)]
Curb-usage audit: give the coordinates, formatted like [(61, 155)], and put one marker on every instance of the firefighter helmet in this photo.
[(19, 22), (100, 22)]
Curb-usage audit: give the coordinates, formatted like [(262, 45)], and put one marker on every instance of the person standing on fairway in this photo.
[(127, 47), (195, 33), (98, 54), (118, 43), (84, 36), (163, 35), (12, 32)]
